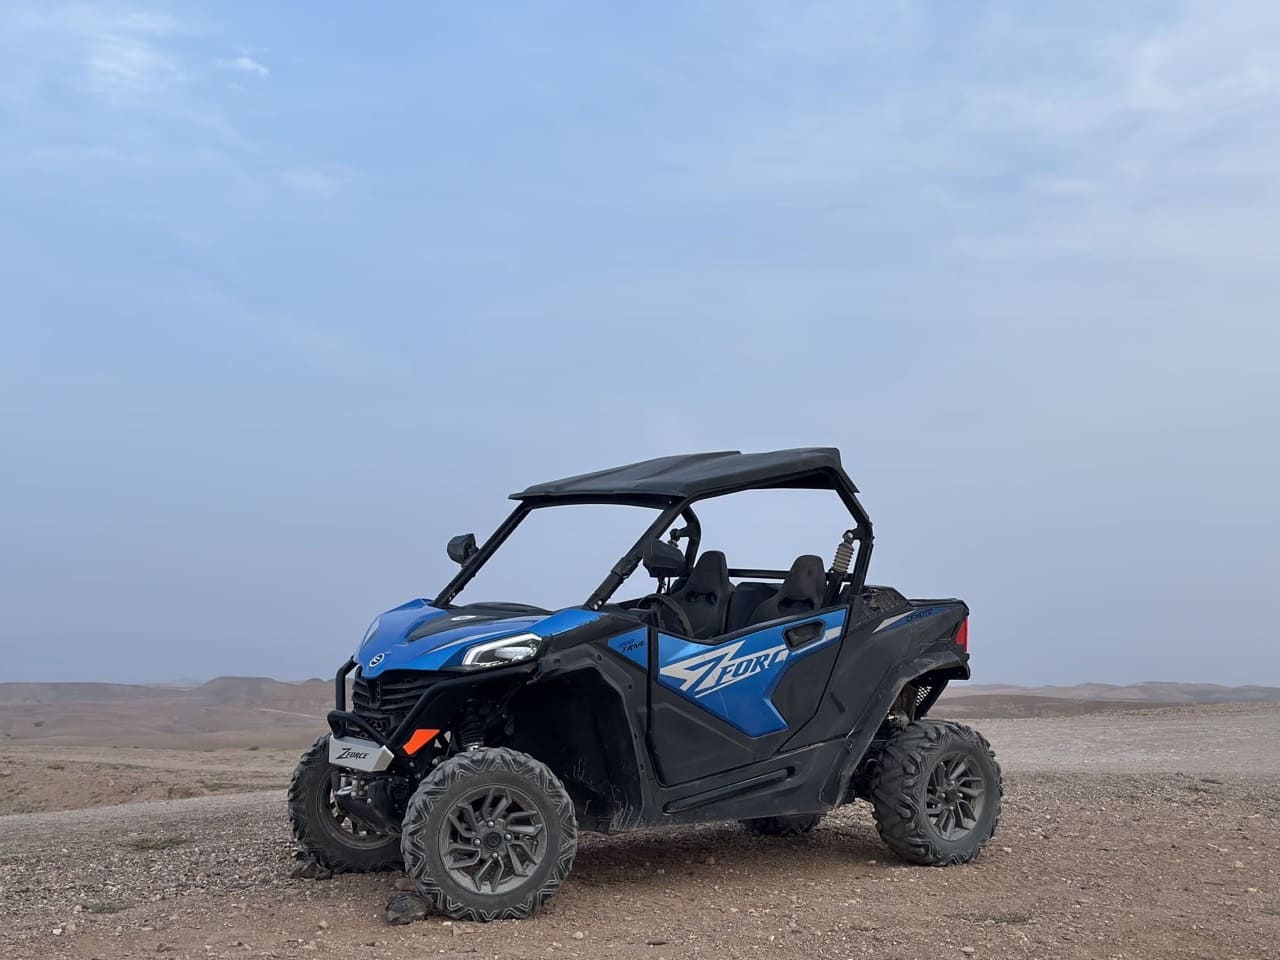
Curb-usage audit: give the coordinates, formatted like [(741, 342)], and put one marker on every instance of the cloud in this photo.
[(1206, 63), (311, 181), (317, 344), (1111, 138), (109, 54), (1062, 186), (123, 53), (139, 86), (245, 64)]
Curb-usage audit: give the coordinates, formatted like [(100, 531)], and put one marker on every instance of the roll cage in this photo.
[(672, 485)]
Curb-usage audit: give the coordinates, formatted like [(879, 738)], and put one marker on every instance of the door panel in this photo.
[(723, 691)]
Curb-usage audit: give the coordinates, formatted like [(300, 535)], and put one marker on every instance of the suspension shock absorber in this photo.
[(839, 566), (471, 729), (844, 556)]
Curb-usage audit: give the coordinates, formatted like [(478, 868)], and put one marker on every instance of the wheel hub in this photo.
[(492, 839), (955, 796), (340, 822)]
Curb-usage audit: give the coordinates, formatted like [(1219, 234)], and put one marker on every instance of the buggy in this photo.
[(472, 741)]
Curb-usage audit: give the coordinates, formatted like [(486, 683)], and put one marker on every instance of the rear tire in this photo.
[(797, 825), (491, 818), (936, 790), (325, 836)]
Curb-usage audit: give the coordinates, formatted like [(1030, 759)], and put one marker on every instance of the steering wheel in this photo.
[(655, 600)]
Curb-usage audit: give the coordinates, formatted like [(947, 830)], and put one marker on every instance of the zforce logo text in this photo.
[(706, 673), (349, 754)]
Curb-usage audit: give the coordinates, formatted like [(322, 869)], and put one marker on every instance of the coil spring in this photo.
[(471, 730), (844, 555)]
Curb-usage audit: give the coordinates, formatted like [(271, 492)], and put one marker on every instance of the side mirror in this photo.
[(663, 561), (462, 547)]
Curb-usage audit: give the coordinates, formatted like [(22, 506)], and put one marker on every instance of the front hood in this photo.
[(418, 636)]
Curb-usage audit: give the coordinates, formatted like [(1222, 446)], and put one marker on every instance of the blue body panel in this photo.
[(634, 645), (386, 647), (735, 680)]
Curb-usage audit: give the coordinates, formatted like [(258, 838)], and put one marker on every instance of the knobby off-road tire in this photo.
[(797, 825), (936, 792), (322, 832), (489, 834)]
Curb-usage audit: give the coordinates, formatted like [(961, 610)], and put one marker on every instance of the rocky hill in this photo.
[(228, 711)]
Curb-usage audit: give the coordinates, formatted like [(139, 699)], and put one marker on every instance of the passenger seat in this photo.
[(801, 592)]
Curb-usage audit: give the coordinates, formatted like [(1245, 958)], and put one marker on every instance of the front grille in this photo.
[(386, 700)]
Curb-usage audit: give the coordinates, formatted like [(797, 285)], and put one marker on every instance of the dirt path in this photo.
[(1233, 739), (45, 777), (1086, 864)]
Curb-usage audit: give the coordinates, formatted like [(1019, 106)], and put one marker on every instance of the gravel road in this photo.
[(1229, 739), (1094, 858)]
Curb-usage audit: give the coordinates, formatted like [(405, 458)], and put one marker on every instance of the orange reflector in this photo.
[(420, 739)]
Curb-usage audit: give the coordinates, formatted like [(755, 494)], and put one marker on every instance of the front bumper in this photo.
[(437, 707), (356, 754)]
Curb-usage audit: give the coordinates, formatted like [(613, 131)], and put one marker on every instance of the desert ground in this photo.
[(1130, 829)]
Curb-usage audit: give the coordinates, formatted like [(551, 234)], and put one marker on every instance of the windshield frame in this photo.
[(598, 597), (669, 510)]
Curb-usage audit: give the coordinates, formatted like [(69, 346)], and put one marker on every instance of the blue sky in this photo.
[(289, 295)]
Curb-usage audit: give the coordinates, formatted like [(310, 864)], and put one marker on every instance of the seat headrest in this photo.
[(806, 580), (710, 575), (801, 592)]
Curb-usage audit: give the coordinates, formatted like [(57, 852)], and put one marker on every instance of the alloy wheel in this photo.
[(493, 839), (955, 796)]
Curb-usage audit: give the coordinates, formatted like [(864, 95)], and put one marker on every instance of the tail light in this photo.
[(962, 635)]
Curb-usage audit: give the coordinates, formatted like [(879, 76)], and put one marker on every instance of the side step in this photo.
[(731, 790)]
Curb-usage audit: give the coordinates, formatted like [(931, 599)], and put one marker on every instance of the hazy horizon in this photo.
[(287, 300), (957, 686)]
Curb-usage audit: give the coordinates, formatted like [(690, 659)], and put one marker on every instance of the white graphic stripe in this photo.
[(892, 620)]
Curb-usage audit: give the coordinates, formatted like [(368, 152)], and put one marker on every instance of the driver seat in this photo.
[(704, 595)]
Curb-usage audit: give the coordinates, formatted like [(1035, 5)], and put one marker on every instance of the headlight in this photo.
[(373, 628), (495, 653)]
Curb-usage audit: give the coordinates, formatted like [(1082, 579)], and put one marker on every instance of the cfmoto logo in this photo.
[(714, 670), (377, 660)]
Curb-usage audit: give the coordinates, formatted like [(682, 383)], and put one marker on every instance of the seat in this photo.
[(801, 592), (746, 597), (704, 595)]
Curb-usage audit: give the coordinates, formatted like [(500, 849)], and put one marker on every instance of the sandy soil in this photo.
[(40, 778), (1235, 738), (1121, 739), (1096, 857)]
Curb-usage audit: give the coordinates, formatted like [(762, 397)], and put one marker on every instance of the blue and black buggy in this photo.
[(480, 737)]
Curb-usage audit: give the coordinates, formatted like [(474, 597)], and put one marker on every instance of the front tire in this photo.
[(936, 791), (489, 834), (322, 832)]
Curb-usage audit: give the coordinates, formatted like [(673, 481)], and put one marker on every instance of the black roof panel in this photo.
[(699, 475)]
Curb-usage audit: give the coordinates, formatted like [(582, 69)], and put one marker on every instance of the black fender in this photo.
[(860, 737), (876, 662)]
